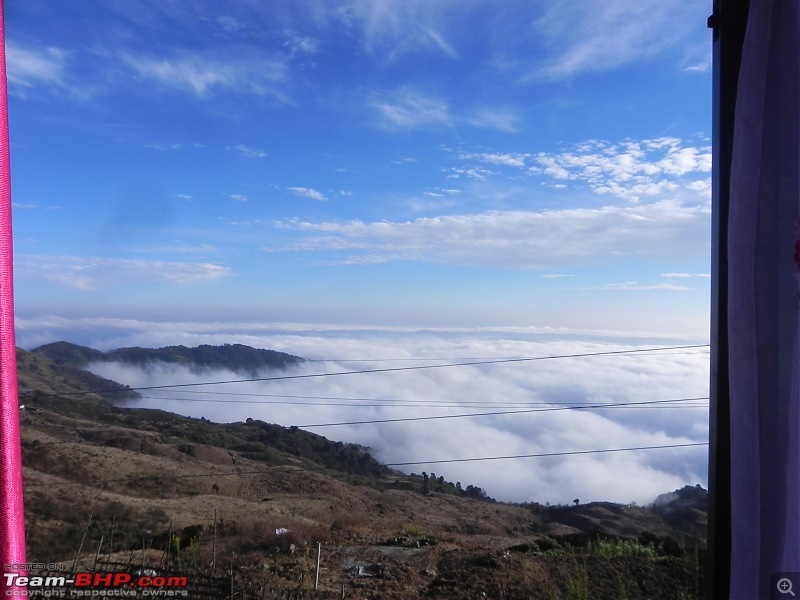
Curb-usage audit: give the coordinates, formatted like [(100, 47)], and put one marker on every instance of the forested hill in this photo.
[(234, 357)]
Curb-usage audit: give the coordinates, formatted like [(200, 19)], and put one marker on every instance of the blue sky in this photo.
[(416, 163), (372, 179)]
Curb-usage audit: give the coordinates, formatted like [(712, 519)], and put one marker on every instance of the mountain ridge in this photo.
[(238, 358)]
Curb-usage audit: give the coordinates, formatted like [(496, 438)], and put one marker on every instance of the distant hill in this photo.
[(234, 357), (685, 509), (44, 380), (72, 355)]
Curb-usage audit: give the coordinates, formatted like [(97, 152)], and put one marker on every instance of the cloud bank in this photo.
[(563, 384)]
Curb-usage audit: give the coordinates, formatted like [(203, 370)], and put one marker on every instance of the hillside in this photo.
[(234, 357), (144, 487)]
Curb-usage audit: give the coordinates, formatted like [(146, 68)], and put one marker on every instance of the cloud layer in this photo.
[(517, 239), (534, 385)]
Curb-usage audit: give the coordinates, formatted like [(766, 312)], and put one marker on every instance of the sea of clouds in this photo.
[(321, 404)]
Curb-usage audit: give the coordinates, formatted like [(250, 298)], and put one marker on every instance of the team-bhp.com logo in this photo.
[(84, 584)]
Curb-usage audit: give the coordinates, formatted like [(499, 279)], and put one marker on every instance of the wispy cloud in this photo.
[(584, 36), (230, 24), (204, 74), (92, 273), (686, 275), (43, 69), (407, 108), (164, 147), (501, 120), (636, 286), (238, 197), (479, 173), (394, 29), (508, 159), (308, 193), (248, 151), (516, 239), (301, 44)]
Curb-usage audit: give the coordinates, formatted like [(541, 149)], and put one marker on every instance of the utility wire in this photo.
[(516, 456), (387, 403), (502, 412), (400, 369), (429, 462), (646, 404)]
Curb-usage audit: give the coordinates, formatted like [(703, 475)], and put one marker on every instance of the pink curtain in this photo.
[(12, 519)]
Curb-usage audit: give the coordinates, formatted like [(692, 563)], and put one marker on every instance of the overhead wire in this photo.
[(642, 404), (397, 369), (383, 403), (269, 470), (544, 454), (501, 412)]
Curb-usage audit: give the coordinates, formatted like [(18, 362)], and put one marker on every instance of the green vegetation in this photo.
[(609, 548), (577, 586)]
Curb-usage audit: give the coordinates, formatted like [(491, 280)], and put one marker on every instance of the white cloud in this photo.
[(636, 286), (308, 193), (478, 173), (248, 151), (91, 273), (300, 44), (407, 108), (38, 68), (230, 24), (508, 159), (623, 477), (502, 120), (31, 67), (583, 36), (238, 197), (518, 239), (205, 74), (164, 147), (629, 169), (394, 29), (686, 275)]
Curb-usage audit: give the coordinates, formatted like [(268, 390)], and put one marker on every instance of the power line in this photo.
[(385, 403), (504, 412), (269, 470), (542, 455), (414, 368)]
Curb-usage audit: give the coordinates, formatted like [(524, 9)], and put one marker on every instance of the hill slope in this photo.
[(151, 488)]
